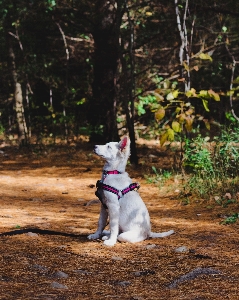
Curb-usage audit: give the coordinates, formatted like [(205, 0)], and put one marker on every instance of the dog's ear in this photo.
[(123, 143)]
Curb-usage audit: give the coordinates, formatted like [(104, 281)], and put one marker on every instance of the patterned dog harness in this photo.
[(120, 193)]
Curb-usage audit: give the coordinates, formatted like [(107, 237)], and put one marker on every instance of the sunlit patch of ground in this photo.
[(47, 212)]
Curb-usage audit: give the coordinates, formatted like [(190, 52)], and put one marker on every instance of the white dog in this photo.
[(129, 219)]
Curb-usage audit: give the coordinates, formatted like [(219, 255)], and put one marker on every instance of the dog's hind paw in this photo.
[(94, 236), (109, 242)]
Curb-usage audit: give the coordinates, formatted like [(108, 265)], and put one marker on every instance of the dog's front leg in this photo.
[(114, 223), (101, 224)]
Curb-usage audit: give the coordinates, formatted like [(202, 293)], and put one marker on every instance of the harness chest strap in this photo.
[(120, 193)]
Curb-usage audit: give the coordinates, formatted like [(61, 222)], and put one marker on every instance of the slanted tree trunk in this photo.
[(106, 55)]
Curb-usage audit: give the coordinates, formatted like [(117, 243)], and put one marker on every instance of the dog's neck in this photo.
[(111, 166)]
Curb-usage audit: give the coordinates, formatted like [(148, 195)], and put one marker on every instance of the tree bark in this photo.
[(18, 98), (106, 56)]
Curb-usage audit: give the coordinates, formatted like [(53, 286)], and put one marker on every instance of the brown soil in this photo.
[(47, 212)]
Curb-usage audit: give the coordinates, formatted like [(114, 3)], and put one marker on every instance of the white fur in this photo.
[(129, 219)]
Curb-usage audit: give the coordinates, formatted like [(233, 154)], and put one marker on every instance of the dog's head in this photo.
[(114, 151)]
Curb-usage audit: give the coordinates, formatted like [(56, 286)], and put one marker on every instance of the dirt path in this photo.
[(48, 208)]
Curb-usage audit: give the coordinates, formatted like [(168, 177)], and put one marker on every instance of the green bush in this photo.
[(213, 167)]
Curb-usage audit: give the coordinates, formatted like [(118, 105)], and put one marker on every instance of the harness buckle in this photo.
[(120, 194), (99, 184), (134, 186)]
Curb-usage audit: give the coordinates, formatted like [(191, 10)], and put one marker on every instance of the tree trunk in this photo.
[(106, 42), (125, 95), (18, 99), (20, 117)]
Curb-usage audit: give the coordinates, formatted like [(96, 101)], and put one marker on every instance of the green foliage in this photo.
[(159, 178), (168, 111), (145, 101), (2, 129), (231, 219), (174, 111), (213, 167)]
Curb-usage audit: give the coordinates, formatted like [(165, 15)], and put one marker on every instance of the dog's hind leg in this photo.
[(131, 236)]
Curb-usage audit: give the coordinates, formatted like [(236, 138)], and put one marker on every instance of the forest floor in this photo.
[(48, 207)]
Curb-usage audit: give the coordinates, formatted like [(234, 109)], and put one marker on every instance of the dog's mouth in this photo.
[(95, 151)]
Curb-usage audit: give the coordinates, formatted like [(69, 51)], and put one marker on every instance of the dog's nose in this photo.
[(95, 147)]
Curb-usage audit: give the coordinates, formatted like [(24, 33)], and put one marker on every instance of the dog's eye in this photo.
[(109, 147)]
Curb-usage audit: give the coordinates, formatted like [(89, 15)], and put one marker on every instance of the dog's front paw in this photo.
[(110, 242), (105, 237), (94, 236)]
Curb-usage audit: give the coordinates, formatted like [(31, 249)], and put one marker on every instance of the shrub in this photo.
[(213, 167)]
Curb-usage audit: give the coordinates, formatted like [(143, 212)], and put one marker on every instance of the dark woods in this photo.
[(107, 68)]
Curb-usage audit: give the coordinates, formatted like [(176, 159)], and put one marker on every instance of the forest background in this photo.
[(165, 70)]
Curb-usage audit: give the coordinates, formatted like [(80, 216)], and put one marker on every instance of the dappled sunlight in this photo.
[(48, 211)]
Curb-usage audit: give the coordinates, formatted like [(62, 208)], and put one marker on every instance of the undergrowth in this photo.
[(212, 167), (159, 177)]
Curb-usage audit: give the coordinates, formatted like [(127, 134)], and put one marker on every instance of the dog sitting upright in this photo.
[(129, 219)]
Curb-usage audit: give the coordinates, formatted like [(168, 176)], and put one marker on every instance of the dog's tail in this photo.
[(161, 234)]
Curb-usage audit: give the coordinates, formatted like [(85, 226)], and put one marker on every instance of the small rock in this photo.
[(181, 249), (57, 285), (117, 258), (64, 193), (83, 272), (152, 246), (123, 283), (91, 186), (60, 274), (32, 234), (40, 268)]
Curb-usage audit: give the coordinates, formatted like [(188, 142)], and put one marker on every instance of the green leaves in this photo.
[(172, 95), (205, 56), (168, 135), (160, 114), (205, 104), (176, 126), (185, 115), (231, 219), (144, 101), (173, 110)]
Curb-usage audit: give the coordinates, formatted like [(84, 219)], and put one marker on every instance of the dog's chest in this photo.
[(119, 181), (113, 185)]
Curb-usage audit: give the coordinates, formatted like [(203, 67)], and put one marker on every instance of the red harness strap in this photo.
[(120, 193)]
